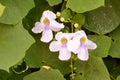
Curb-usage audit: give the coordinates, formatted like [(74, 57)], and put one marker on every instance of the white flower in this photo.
[(61, 45), (80, 45), (46, 25)]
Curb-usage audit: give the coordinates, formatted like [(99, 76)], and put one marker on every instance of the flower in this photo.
[(46, 25), (61, 45), (80, 45)]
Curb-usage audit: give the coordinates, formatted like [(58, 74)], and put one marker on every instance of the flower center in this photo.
[(46, 21), (63, 40), (83, 39)]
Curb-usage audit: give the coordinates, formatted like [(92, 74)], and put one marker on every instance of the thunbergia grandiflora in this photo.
[(61, 45), (65, 43), (46, 25), (80, 45)]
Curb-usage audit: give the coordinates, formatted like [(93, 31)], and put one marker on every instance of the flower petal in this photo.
[(38, 28), (69, 35), (49, 14), (58, 35), (73, 46), (55, 26), (64, 54), (83, 53), (47, 36), (81, 32), (91, 45), (54, 46)]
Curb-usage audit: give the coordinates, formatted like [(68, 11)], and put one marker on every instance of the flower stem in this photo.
[(72, 28), (72, 69), (71, 61)]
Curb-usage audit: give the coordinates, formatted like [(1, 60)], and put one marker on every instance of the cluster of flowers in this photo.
[(65, 43)]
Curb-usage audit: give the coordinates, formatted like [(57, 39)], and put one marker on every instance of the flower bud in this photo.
[(76, 25), (58, 14), (62, 19)]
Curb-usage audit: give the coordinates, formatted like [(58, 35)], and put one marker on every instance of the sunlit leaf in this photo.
[(2, 8), (81, 6), (43, 74), (14, 41), (80, 77), (15, 10)]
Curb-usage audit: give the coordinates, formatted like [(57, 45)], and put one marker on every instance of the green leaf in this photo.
[(14, 41), (2, 8), (4, 75), (80, 77), (66, 13), (94, 68), (116, 6), (104, 19), (79, 18), (114, 50), (118, 78), (54, 2), (112, 66), (15, 10), (39, 54), (43, 74), (103, 45), (81, 6)]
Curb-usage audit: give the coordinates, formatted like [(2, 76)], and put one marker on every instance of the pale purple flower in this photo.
[(80, 45), (61, 45), (46, 25)]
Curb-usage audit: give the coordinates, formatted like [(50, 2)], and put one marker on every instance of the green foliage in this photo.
[(15, 10), (51, 74), (103, 45), (80, 6), (104, 19), (3, 75), (80, 77), (23, 58), (66, 13), (113, 67), (79, 18), (38, 55), (94, 68), (54, 2), (114, 50), (12, 48), (2, 8)]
